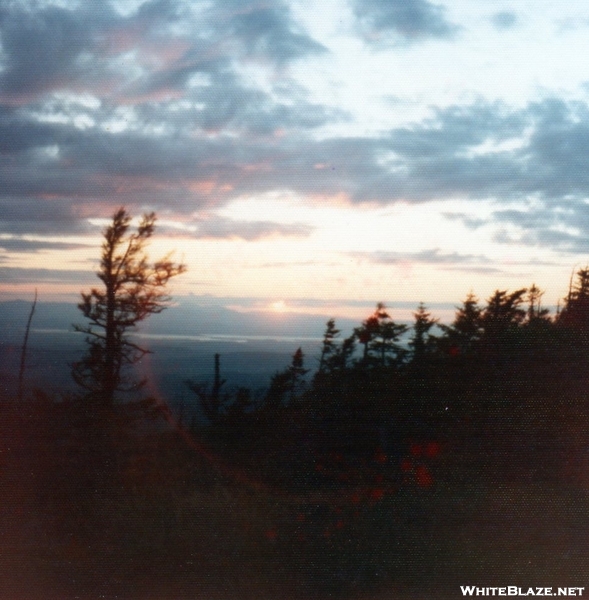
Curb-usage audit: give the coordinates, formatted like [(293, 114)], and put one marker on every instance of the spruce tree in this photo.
[(132, 289)]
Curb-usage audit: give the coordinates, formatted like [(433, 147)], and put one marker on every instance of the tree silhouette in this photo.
[(288, 382), (463, 334), (503, 314), (534, 300), (328, 348), (575, 313), (421, 341), (133, 289), (23, 356), (297, 371), (379, 334), (211, 402)]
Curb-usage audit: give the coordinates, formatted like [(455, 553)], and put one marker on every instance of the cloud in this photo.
[(409, 20), (431, 256), (448, 261), (184, 107), (479, 151), (48, 48), (149, 54), (225, 228), (547, 236), (24, 275), (62, 173), (28, 215), (24, 245), (265, 31), (504, 19)]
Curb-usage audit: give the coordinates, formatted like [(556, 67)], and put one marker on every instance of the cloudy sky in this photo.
[(299, 154)]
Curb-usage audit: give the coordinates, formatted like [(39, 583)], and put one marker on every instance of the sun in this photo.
[(278, 306)]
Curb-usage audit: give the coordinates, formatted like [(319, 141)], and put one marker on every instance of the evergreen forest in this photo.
[(402, 461)]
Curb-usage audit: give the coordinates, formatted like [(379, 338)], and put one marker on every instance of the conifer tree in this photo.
[(211, 402), (288, 382), (534, 300), (503, 314), (132, 290), (341, 359), (379, 335), (297, 372), (328, 348), (575, 313), (421, 340), (466, 329)]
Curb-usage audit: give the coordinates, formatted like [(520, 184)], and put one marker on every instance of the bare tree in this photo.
[(23, 355), (132, 290)]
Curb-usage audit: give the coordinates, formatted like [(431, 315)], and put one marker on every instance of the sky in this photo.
[(300, 155)]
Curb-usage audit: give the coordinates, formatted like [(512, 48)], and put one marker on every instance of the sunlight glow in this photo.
[(279, 307)]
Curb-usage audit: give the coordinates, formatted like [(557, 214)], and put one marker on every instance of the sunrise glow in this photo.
[(332, 154)]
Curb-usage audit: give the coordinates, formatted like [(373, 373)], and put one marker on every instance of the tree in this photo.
[(366, 333), (297, 372), (466, 330), (288, 382), (503, 314), (575, 313), (211, 402), (379, 334), (535, 311), (421, 342), (23, 355), (328, 348), (132, 290)]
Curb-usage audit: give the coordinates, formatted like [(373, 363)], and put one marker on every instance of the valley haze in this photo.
[(182, 341)]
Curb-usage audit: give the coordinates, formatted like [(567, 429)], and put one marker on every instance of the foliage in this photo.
[(132, 290), (285, 385), (350, 473), (379, 335), (422, 342), (484, 380), (210, 401), (575, 313), (328, 348), (466, 329)]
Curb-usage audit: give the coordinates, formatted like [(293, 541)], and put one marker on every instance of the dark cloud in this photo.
[(547, 237), (461, 151), (148, 126), (23, 245), (266, 30), (152, 109), (18, 133), (408, 20), (448, 261), (49, 48), (560, 225), (468, 220), (24, 275), (487, 151), (225, 228), (432, 256), (41, 216), (148, 55), (504, 19), (60, 172)]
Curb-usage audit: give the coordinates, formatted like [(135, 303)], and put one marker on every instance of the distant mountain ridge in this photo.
[(186, 317), (269, 340)]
